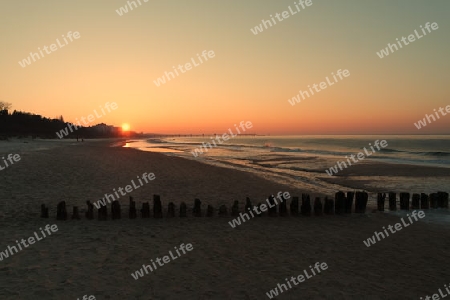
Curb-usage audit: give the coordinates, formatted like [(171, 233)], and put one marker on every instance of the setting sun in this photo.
[(125, 127)]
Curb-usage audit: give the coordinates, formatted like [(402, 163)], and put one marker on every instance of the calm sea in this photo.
[(301, 161)]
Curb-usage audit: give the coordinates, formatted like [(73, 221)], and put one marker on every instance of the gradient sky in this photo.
[(251, 78)]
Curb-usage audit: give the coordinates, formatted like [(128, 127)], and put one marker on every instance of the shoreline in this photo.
[(229, 263), (192, 177), (367, 176)]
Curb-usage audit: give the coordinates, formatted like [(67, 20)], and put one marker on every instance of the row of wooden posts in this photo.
[(342, 204)]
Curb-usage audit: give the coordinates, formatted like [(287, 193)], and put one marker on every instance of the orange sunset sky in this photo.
[(118, 58)]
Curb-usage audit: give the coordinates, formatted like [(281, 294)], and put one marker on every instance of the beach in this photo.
[(90, 257)]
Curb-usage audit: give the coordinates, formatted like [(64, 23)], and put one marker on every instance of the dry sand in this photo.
[(97, 258)]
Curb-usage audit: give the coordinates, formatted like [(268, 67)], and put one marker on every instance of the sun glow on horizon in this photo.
[(125, 127)]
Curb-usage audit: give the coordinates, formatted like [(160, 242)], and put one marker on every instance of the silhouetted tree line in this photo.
[(23, 124)]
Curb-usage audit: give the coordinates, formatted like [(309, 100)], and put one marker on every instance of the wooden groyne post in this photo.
[(392, 201), (115, 210), (197, 210), (61, 212), (145, 210), (223, 211), (424, 202), (235, 209), (306, 205), (283, 207), (339, 203), (248, 204), (443, 199), (381, 197), (132, 209), (157, 207), (294, 207), (361, 202), (415, 201), (90, 210), (349, 202), (342, 204), (318, 209), (102, 213), (328, 207), (404, 201), (273, 209)]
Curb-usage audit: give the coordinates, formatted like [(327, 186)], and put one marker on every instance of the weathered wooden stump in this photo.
[(404, 201), (90, 210), (171, 210), (44, 211), (272, 207), (61, 212), (306, 205), (102, 213), (223, 211), (157, 207), (116, 212), (328, 207), (424, 204), (443, 199), (339, 203), (361, 202), (132, 210), (209, 211), (381, 197), (349, 202), (318, 209), (282, 210), (259, 208), (235, 209), (294, 206), (248, 205), (75, 213), (415, 202), (197, 210), (145, 210), (183, 210), (392, 201), (434, 200)]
